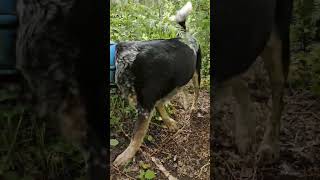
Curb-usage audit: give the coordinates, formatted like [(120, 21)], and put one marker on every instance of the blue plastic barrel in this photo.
[(112, 62), (8, 29), (8, 6)]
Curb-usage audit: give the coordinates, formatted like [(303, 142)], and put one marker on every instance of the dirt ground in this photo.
[(299, 136), (183, 154)]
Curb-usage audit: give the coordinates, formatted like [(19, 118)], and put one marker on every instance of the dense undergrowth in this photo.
[(136, 21), (305, 46)]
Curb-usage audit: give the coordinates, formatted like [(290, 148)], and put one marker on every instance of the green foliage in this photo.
[(150, 138), (28, 151), (305, 72), (306, 20), (305, 42), (120, 111), (146, 174), (114, 142), (136, 21)]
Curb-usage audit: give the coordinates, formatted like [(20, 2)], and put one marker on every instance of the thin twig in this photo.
[(158, 163), (201, 169), (13, 141), (118, 170), (125, 134), (229, 169), (254, 173), (317, 117), (166, 141)]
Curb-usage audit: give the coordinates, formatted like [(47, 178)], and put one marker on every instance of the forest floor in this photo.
[(183, 154), (29, 148), (299, 136)]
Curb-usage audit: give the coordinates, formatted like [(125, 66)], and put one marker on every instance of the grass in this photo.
[(28, 150)]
